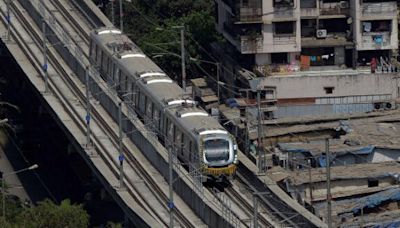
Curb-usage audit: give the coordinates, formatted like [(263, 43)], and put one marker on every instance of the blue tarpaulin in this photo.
[(297, 148), (376, 199), (392, 224)]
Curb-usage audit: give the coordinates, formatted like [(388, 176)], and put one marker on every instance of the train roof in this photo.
[(194, 119), (133, 62), (156, 83)]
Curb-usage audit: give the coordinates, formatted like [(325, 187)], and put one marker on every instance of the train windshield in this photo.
[(216, 150)]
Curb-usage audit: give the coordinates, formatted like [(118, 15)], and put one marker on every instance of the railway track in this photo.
[(242, 205), (65, 11), (54, 61), (75, 23)]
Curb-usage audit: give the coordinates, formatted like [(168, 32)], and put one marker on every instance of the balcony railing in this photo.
[(283, 13), (309, 12), (333, 9), (228, 28), (251, 44), (250, 14), (283, 40), (375, 40), (382, 8)]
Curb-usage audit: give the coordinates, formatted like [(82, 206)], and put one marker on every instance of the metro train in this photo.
[(194, 135)]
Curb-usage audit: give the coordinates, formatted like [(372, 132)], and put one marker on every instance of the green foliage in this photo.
[(113, 225), (149, 23), (48, 214)]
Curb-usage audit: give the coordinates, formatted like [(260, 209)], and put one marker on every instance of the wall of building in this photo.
[(276, 44), (382, 11), (382, 155), (349, 186), (347, 85)]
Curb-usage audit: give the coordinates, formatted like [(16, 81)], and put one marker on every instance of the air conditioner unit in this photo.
[(321, 33), (343, 4)]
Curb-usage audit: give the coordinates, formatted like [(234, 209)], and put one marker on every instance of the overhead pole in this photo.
[(112, 12), (183, 58), (121, 17), (121, 152), (88, 143), (218, 75), (261, 155), (171, 190), (255, 215), (328, 184), (45, 65), (8, 18)]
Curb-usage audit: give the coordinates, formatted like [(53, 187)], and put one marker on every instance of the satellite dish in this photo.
[(254, 84), (349, 20)]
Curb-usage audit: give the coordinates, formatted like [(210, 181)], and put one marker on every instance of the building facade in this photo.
[(294, 35)]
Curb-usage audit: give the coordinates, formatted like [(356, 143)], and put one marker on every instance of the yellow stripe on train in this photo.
[(230, 170)]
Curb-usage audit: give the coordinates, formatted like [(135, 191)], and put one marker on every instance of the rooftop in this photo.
[(358, 171)]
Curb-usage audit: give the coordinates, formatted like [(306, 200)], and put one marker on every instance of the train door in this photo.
[(156, 118), (170, 133), (178, 143), (149, 111)]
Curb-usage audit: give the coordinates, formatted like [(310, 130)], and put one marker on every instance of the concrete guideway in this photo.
[(69, 123), (249, 165), (278, 192), (57, 102), (207, 200)]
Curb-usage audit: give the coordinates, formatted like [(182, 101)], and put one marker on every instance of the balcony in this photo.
[(229, 29), (284, 40), (283, 13), (250, 14), (388, 9), (251, 44), (375, 40), (337, 8), (309, 12)]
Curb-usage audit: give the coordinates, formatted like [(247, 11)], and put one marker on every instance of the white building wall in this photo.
[(274, 44), (346, 85), (385, 11)]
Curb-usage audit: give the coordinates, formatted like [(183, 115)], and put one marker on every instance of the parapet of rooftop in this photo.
[(358, 171), (261, 72), (360, 136)]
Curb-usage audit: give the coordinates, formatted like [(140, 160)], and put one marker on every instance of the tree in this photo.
[(142, 21), (48, 214)]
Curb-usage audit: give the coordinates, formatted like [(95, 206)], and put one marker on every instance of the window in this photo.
[(286, 27), (245, 3), (373, 183), (279, 58), (284, 3), (376, 26), (329, 90)]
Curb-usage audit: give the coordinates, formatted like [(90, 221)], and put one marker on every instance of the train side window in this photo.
[(122, 82), (126, 82), (118, 79), (183, 144), (149, 109), (100, 57), (104, 63), (159, 119), (108, 67), (95, 54), (113, 71), (137, 98), (132, 91), (91, 49)]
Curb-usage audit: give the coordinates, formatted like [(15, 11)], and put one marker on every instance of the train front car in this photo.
[(219, 152)]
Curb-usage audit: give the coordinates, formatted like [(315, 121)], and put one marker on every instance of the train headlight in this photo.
[(235, 160)]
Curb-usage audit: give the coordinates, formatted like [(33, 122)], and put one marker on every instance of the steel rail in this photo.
[(59, 68)]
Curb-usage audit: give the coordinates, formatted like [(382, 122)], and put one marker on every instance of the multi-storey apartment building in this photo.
[(295, 35)]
